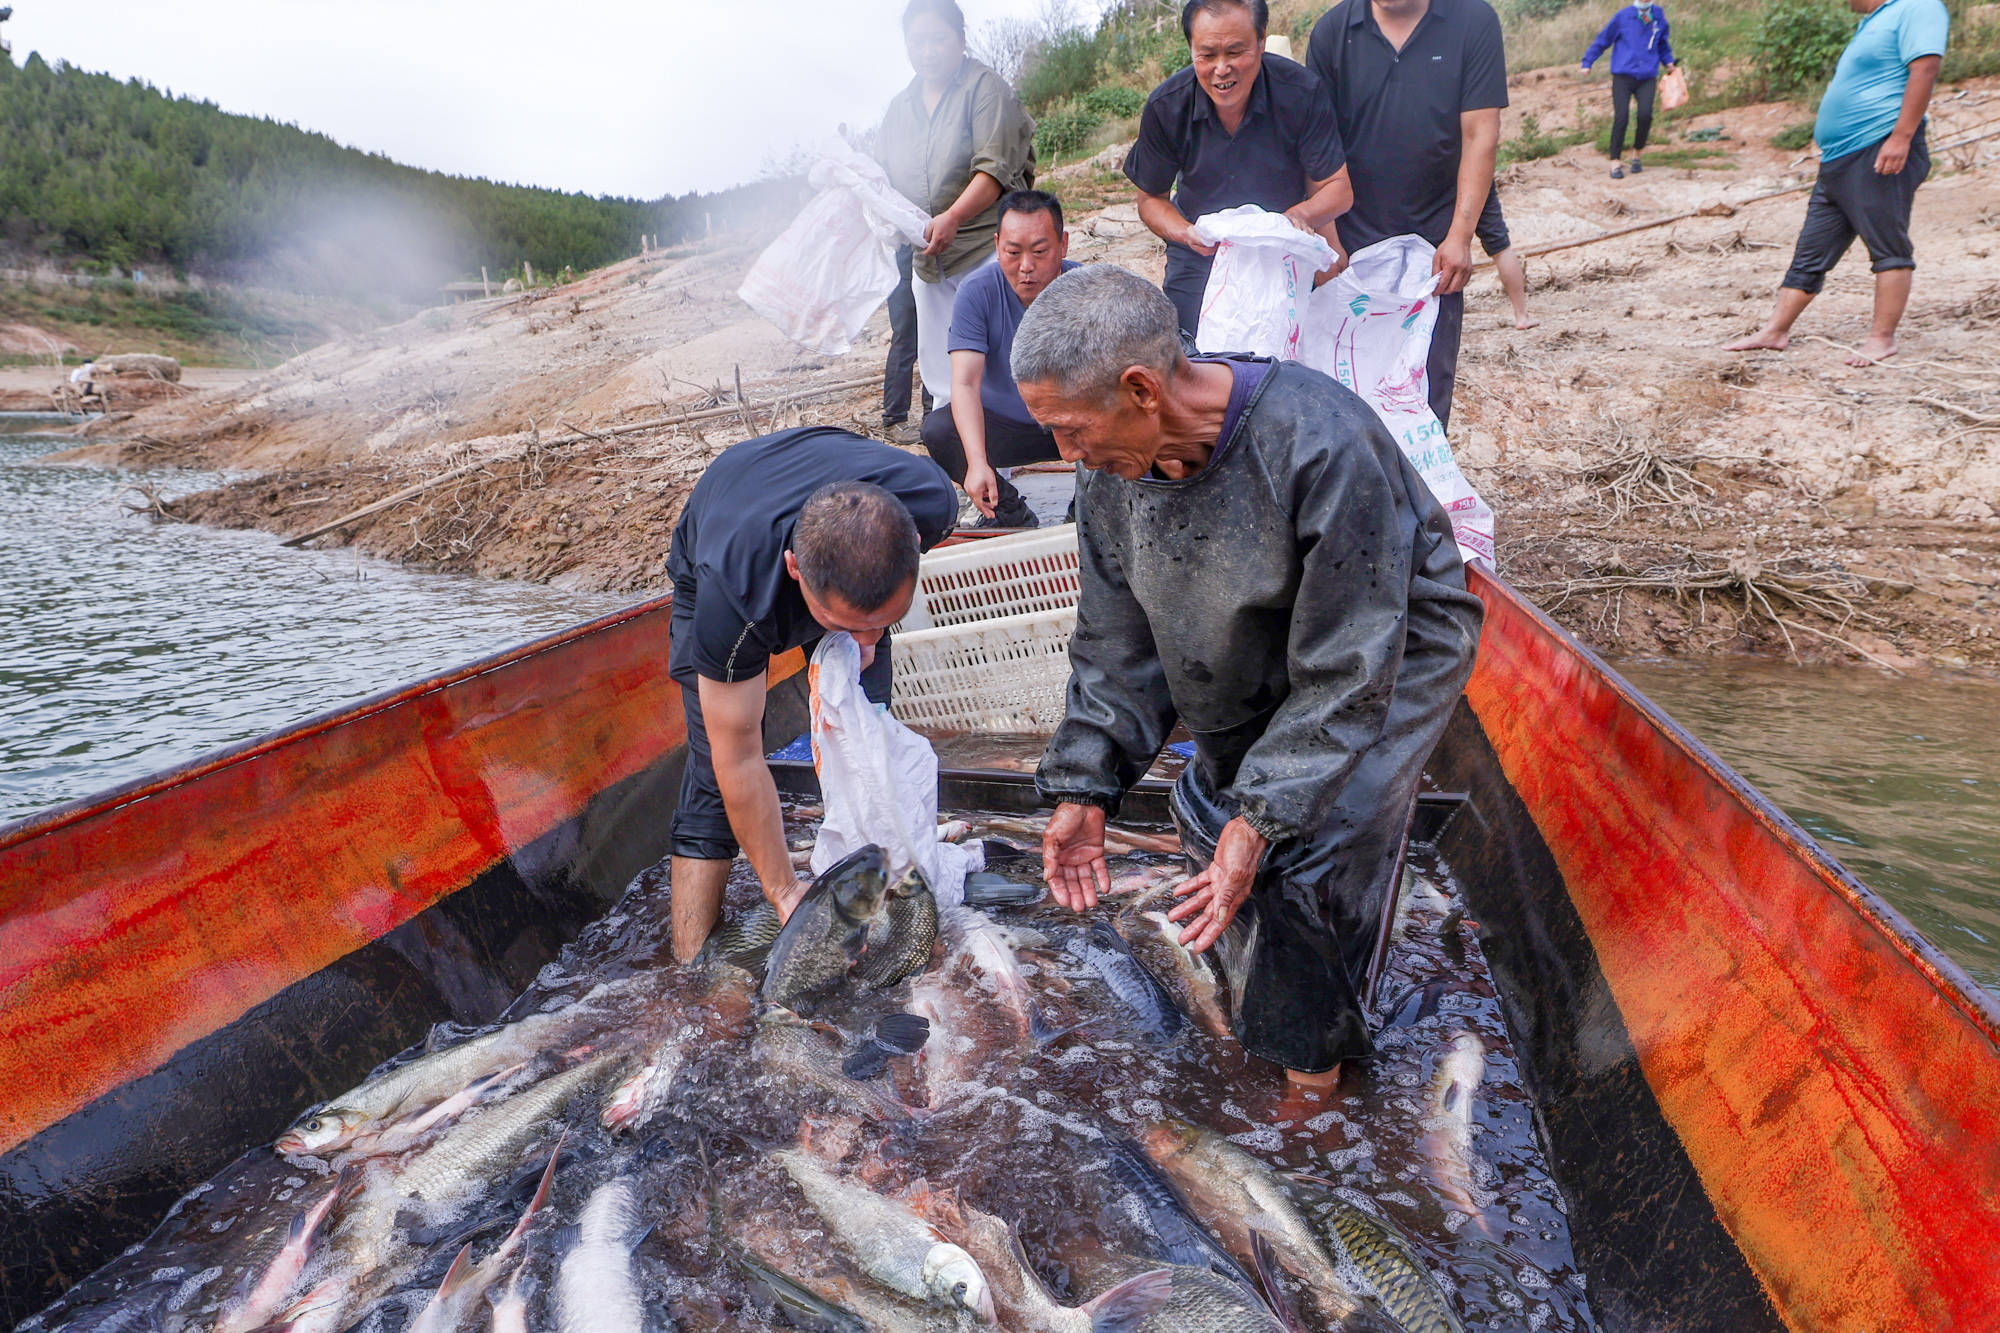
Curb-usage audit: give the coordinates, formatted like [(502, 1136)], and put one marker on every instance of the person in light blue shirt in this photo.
[(1639, 44), (1872, 158)]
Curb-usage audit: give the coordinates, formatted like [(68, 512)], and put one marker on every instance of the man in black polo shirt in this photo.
[(1235, 127), (784, 537), (1417, 87)]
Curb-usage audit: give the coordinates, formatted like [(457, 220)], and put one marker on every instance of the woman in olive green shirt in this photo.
[(954, 141)]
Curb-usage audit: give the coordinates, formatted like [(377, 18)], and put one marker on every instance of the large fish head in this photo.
[(910, 883), (953, 1275), (327, 1130), (857, 884), (1165, 1140)]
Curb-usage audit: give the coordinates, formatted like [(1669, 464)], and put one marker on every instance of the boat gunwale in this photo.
[(55, 817), (1978, 1004)]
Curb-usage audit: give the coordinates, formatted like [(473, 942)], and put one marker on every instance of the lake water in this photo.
[(129, 645), (1897, 777)]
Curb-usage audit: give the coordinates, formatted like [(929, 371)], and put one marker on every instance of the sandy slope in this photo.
[(1741, 501)]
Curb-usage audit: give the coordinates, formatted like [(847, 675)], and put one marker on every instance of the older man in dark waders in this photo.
[(1260, 562), (784, 538)]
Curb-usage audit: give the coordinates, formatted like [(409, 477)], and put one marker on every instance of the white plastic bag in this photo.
[(1257, 290), (1370, 328), (877, 778), (821, 280)]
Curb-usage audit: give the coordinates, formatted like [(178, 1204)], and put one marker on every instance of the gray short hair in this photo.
[(1089, 326)]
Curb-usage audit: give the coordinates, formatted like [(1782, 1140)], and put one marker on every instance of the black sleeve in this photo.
[(1118, 712), (1484, 83), (1155, 159), (1321, 48), (1320, 151), (726, 647), (1346, 641), (932, 502)]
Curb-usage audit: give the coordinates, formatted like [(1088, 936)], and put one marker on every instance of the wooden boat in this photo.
[(1768, 1101)]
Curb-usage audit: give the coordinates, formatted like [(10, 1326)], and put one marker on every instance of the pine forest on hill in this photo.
[(103, 174)]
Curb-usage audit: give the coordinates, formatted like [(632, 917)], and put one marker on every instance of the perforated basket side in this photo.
[(1003, 576), (1005, 675)]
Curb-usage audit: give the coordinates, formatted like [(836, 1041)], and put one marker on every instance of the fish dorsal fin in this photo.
[(1269, 1278), (541, 1193), (457, 1275), (1129, 1304)]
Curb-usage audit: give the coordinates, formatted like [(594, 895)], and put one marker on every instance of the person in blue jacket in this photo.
[(1637, 39)]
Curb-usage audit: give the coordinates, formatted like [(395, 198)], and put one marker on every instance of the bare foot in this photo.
[(1525, 321), (1874, 351), (1763, 340)]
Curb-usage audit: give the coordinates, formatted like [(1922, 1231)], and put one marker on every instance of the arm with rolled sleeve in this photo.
[(1345, 645), (1118, 712)]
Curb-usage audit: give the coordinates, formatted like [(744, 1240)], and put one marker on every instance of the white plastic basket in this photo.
[(999, 576), (1007, 674)]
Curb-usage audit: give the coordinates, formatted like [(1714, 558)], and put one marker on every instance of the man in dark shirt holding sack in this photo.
[(784, 538), (1235, 127), (1417, 87), (1260, 562)]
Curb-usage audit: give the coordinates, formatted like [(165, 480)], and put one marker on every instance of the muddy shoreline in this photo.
[(1660, 497)]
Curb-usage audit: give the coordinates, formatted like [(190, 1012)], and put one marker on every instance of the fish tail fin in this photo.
[(893, 1035), (1042, 1031), (457, 1275), (1129, 1304), (1268, 1277), (541, 1193)]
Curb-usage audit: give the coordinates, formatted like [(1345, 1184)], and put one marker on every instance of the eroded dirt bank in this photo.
[(1660, 496)]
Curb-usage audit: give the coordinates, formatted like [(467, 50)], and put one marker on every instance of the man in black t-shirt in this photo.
[(784, 538), (1417, 87), (1235, 127)]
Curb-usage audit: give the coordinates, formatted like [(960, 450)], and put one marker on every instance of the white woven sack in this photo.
[(1258, 287), (877, 778), (1370, 328), (821, 280)]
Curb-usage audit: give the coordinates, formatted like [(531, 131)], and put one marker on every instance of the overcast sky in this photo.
[(629, 97)]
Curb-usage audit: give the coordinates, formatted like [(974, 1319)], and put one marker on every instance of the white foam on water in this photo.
[(1538, 1318), (1400, 1199), (1264, 1139), (1534, 1279), (1324, 1121), (1146, 1108)]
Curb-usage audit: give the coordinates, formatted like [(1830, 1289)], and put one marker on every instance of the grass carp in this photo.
[(1447, 1139), (1182, 1240), (1238, 1197), (1385, 1256), (889, 1241), (828, 931)]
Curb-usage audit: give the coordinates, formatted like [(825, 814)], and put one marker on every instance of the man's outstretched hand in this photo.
[(1073, 856), (1210, 900)]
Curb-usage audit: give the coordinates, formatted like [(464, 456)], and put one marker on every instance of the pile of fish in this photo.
[(882, 1116)]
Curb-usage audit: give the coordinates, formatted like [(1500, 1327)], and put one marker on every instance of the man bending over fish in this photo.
[(1260, 562), (784, 538)]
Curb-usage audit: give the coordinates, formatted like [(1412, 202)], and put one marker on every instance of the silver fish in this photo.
[(1447, 1139), (596, 1290), (466, 1284), (1192, 980), (891, 1243), (828, 930), (274, 1284)]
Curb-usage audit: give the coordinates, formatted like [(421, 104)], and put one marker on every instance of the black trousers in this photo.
[(902, 344), (1850, 199), (1008, 444), (1186, 281), (701, 823), (1623, 89)]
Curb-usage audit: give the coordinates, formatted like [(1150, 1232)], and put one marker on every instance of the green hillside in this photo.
[(118, 174)]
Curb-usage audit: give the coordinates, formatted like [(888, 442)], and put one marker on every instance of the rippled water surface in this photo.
[(1898, 777), (130, 645)]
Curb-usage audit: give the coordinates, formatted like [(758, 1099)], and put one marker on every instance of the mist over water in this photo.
[(130, 645), (1898, 777)]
